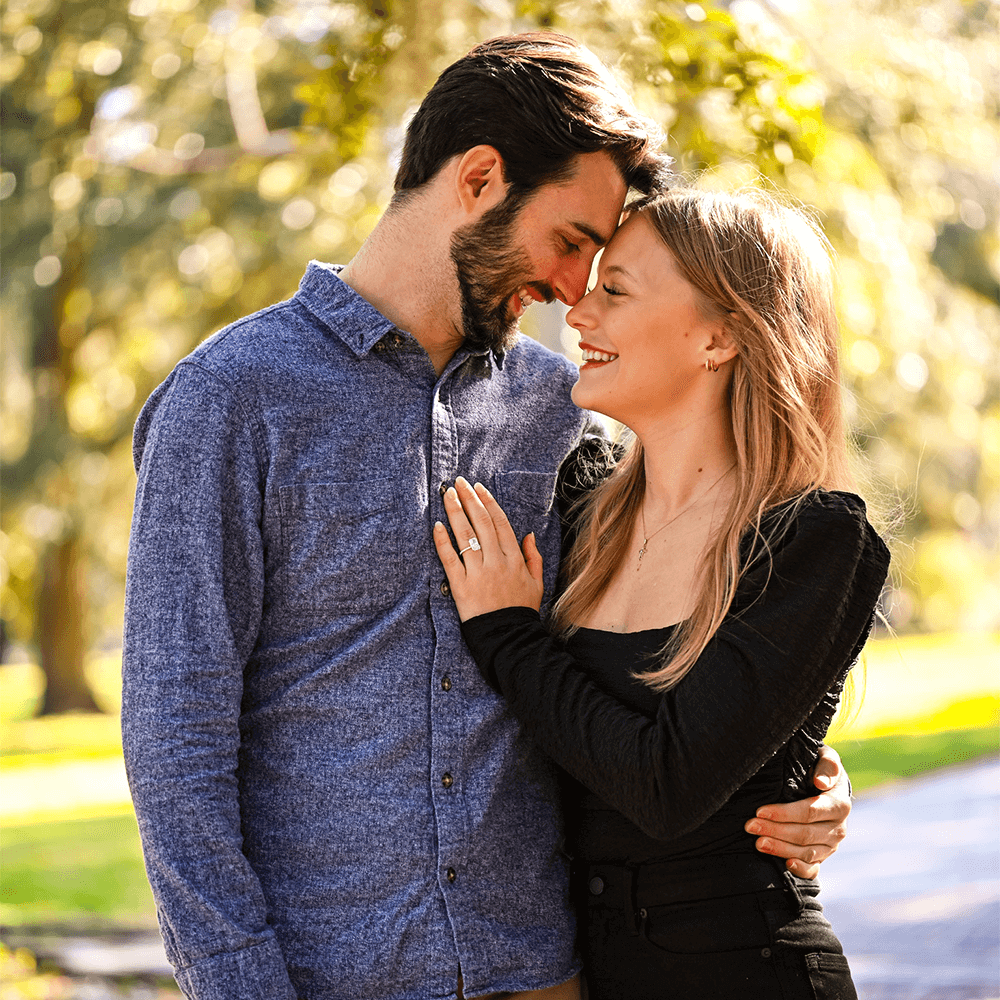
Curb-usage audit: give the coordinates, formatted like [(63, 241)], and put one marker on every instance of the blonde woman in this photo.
[(720, 580)]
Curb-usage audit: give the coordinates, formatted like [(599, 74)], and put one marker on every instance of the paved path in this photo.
[(914, 893)]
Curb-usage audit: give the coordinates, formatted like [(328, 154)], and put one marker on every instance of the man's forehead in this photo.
[(591, 201)]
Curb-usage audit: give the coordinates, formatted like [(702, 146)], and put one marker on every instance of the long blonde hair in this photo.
[(765, 270)]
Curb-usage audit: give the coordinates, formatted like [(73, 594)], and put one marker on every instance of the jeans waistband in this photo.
[(653, 884)]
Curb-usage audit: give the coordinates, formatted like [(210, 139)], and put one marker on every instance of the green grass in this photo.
[(81, 874), (874, 761), (928, 701)]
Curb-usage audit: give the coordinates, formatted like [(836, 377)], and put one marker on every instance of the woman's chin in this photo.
[(590, 401)]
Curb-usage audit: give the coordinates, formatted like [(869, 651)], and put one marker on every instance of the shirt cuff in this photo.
[(485, 634), (257, 972)]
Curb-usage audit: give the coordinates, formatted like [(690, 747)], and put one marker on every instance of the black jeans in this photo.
[(730, 928)]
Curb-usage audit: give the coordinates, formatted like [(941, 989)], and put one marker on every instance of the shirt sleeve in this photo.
[(194, 596), (799, 621)]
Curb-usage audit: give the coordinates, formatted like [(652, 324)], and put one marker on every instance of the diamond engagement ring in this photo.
[(473, 544)]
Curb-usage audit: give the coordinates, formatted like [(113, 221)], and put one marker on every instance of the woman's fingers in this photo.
[(505, 533), (479, 518), (446, 553), (532, 557), (466, 538)]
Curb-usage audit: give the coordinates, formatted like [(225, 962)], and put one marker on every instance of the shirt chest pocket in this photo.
[(341, 546), (528, 500)]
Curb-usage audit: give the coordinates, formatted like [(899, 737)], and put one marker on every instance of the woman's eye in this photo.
[(611, 290)]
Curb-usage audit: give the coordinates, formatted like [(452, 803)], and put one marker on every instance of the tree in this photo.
[(167, 167)]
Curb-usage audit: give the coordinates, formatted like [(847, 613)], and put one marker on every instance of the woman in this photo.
[(718, 586)]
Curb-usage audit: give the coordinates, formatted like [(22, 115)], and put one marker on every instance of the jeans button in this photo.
[(597, 885)]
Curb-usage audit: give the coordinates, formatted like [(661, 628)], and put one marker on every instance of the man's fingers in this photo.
[(801, 869), (829, 770), (813, 854), (800, 834), (830, 807)]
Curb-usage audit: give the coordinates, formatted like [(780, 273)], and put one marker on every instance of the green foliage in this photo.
[(170, 165)]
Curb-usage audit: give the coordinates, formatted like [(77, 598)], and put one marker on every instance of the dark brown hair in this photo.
[(540, 99)]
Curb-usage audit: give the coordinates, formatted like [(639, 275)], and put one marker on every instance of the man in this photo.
[(332, 803)]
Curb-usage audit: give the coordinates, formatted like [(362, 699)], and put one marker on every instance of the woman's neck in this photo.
[(685, 460)]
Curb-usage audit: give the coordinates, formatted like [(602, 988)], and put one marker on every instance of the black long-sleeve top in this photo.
[(679, 773)]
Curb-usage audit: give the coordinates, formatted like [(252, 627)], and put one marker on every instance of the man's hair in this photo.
[(540, 99)]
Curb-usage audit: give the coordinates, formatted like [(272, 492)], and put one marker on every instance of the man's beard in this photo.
[(490, 269)]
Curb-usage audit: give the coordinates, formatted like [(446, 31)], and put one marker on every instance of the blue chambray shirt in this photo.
[(332, 803)]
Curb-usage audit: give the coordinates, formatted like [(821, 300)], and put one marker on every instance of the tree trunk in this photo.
[(60, 631)]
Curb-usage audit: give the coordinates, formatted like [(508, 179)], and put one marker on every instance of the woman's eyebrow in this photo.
[(618, 269)]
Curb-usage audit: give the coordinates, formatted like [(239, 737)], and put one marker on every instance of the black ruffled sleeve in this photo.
[(798, 622)]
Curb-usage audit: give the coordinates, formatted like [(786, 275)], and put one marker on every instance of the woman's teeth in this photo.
[(589, 355)]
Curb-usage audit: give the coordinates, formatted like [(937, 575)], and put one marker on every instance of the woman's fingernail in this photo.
[(753, 827)]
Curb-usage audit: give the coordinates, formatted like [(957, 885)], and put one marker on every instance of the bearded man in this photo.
[(332, 802)]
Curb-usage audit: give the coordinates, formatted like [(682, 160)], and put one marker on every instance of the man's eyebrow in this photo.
[(591, 233)]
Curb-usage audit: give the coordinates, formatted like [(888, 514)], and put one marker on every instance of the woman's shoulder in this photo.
[(839, 510), (818, 520)]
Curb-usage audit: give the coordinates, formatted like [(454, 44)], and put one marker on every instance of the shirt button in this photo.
[(451, 875), (443, 488), (446, 683), (447, 780), (765, 953), (643, 914), (445, 589), (597, 885)]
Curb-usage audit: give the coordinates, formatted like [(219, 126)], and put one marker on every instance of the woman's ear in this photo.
[(722, 346), (479, 181)]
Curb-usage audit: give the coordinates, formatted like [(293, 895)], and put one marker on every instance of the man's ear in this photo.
[(479, 179)]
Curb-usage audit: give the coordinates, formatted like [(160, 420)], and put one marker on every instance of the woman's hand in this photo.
[(492, 573)]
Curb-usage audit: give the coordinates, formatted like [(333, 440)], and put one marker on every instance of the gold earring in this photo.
[(710, 365)]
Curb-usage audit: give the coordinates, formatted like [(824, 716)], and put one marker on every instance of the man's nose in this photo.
[(571, 285)]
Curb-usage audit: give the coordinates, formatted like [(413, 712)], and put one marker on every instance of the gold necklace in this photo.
[(667, 523)]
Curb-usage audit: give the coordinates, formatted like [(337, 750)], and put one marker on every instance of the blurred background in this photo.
[(167, 166)]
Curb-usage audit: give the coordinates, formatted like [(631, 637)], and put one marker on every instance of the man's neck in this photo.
[(405, 271)]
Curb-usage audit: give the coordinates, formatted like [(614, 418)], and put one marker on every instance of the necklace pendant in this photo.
[(642, 552)]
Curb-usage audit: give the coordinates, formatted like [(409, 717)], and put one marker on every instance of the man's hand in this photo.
[(807, 832)]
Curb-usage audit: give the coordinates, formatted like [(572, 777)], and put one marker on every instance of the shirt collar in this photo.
[(350, 316), (338, 306)]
